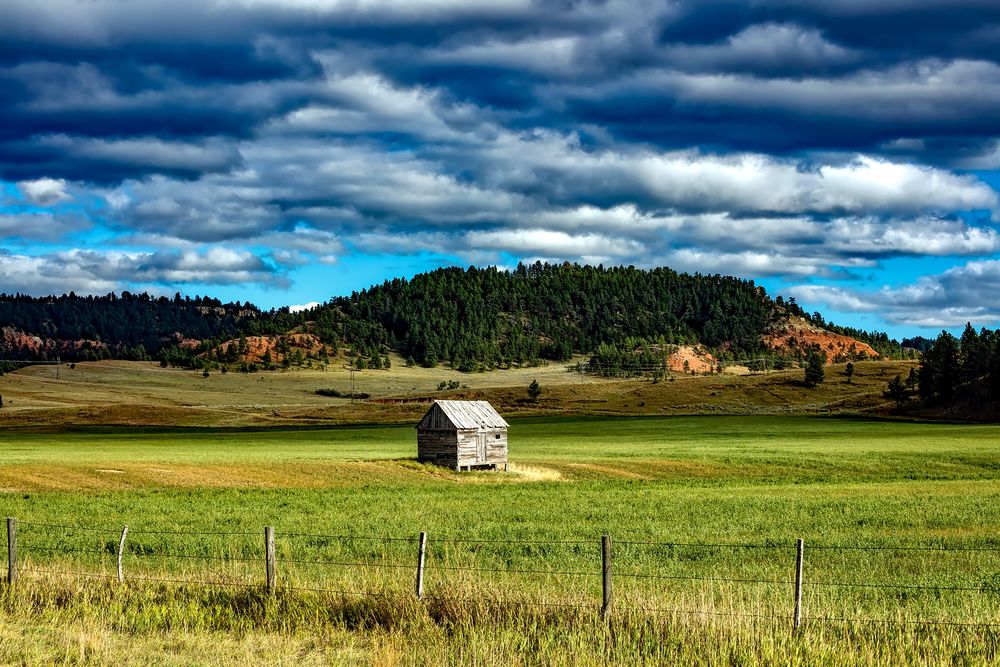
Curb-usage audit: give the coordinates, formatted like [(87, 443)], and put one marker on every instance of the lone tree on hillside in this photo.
[(849, 371), (897, 391), (534, 390), (814, 368)]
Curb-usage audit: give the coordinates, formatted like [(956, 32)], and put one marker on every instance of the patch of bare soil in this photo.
[(691, 359), (800, 336), (13, 339), (260, 347)]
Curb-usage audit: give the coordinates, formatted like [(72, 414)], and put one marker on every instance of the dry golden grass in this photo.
[(64, 623), (137, 393)]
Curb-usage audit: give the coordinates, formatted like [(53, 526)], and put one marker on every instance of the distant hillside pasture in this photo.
[(143, 393)]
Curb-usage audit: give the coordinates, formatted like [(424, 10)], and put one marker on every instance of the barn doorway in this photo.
[(481, 447)]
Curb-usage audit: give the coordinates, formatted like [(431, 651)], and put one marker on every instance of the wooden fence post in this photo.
[(269, 557), (421, 553), (11, 550), (606, 574), (799, 549), (121, 555)]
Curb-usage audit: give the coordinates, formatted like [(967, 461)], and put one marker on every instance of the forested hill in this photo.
[(126, 326), (475, 316), (467, 317), (552, 311)]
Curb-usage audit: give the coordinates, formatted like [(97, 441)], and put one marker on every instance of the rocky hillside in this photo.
[(797, 336), (291, 347)]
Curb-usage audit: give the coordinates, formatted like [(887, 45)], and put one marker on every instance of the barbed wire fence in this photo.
[(596, 576)]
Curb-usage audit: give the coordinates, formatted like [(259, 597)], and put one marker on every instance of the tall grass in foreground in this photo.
[(467, 627), (950, 583)]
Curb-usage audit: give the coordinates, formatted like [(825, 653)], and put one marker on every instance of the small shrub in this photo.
[(333, 393), (534, 390)]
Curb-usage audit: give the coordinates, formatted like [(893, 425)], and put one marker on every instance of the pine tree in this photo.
[(940, 370), (897, 391), (814, 373), (534, 390)]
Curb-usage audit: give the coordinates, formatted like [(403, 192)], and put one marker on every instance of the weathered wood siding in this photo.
[(454, 447), (495, 447), (438, 446), (436, 419)]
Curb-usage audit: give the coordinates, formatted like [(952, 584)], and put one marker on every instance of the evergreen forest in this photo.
[(963, 370), (471, 318)]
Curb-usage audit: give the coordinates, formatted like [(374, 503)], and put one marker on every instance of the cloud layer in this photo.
[(965, 293), (235, 140)]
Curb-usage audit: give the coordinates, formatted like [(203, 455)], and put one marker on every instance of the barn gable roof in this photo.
[(469, 414)]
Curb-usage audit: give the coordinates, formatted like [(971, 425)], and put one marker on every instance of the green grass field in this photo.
[(506, 551)]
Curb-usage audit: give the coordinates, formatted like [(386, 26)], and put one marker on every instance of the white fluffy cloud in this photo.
[(99, 271), (305, 306), (44, 191)]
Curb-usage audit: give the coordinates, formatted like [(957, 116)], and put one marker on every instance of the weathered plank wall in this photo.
[(436, 419), (438, 446), (496, 447), (454, 448)]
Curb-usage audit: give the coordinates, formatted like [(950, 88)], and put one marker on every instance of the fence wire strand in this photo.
[(913, 587), (343, 563), (353, 538), (861, 547), (83, 529), (459, 568), (59, 550), (464, 540), (514, 603), (706, 545), (222, 533), (165, 555), (895, 621), (739, 580), (708, 612)]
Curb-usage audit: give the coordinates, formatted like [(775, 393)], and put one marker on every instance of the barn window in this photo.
[(498, 436)]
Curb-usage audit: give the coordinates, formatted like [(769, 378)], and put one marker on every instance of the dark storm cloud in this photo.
[(766, 76), (107, 161)]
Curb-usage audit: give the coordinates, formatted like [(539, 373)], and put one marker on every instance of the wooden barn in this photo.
[(463, 435)]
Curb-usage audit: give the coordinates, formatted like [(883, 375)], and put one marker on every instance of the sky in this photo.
[(842, 152)]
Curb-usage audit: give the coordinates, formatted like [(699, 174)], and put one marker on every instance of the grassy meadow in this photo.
[(703, 512), (132, 393)]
